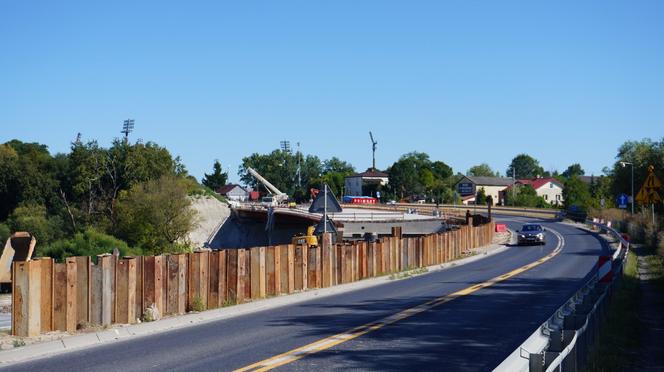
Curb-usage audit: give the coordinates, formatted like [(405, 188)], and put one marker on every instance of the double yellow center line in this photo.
[(331, 341)]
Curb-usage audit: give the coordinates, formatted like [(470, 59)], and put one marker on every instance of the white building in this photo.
[(548, 188), (365, 184), (234, 192)]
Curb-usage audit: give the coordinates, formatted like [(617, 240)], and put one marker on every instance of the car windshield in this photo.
[(532, 228)]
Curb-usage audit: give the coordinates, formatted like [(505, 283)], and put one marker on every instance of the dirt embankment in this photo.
[(211, 214)]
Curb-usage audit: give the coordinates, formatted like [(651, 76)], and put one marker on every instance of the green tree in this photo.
[(481, 170), (573, 171), (5, 233), (480, 198), (525, 196), (155, 214), (336, 165), (217, 179), (641, 154), (34, 219), (27, 176), (415, 174), (525, 166), (576, 192)]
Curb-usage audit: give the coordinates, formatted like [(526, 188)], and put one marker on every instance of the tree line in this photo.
[(128, 196), (136, 196)]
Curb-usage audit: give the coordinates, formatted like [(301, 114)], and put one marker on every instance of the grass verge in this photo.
[(620, 333)]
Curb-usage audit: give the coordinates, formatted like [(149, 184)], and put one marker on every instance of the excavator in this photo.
[(310, 239)]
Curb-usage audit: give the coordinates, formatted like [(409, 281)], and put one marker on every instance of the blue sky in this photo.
[(465, 81)]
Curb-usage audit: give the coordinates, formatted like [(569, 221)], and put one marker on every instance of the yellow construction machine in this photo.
[(310, 239)]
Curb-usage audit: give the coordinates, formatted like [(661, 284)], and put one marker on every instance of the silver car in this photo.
[(531, 233)]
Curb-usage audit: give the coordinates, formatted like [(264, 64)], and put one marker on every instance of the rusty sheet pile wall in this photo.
[(50, 296)]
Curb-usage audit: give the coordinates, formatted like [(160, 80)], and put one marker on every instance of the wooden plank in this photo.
[(198, 279), (213, 286), (223, 287), (182, 283), (298, 268), (231, 275), (138, 294), (122, 292), (70, 308), (269, 271), (60, 297), (153, 288), (280, 269), (247, 275), (82, 289), (26, 293), (255, 272), (241, 272), (318, 261), (284, 271), (96, 294), (291, 268), (171, 284), (311, 267), (304, 257), (262, 279), (46, 294), (131, 290)]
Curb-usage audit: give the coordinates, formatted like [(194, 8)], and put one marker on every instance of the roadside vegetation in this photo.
[(620, 335), (133, 197)]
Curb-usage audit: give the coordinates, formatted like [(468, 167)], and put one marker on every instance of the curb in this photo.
[(87, 340)]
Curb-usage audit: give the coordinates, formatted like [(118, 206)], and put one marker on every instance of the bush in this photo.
[(34, 219), (5, 233), (88, 243), (660, 244)]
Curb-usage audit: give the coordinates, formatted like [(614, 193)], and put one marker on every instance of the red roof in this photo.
[(536, 183)]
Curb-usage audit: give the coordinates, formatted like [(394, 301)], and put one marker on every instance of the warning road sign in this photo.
[(648, 193)]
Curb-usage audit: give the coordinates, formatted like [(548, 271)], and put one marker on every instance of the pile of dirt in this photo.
[(211, 214)]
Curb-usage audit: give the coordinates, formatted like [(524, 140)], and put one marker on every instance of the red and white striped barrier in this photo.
[(604, 269)]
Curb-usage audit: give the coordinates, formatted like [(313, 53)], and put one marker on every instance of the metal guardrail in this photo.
[(563, 341)]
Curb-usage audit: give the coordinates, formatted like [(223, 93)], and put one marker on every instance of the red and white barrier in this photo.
[(604, 269)]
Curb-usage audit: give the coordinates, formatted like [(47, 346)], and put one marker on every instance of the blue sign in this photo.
[(466, 188), (622, 201), (378, 194)]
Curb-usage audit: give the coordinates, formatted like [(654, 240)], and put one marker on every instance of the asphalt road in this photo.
[(473, 332)]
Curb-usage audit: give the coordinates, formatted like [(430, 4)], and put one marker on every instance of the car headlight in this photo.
[(522, 236), (540, 235)]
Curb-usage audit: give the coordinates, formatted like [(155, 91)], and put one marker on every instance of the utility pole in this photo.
[(127, 128)]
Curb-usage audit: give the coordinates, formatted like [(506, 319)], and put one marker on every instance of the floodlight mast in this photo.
[(127, 127), (373, 148)]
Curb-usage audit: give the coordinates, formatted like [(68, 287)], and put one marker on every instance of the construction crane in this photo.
[(373, 147), (277, 197)]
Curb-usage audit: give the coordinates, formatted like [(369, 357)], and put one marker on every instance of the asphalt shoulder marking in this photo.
[(331, 341)]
